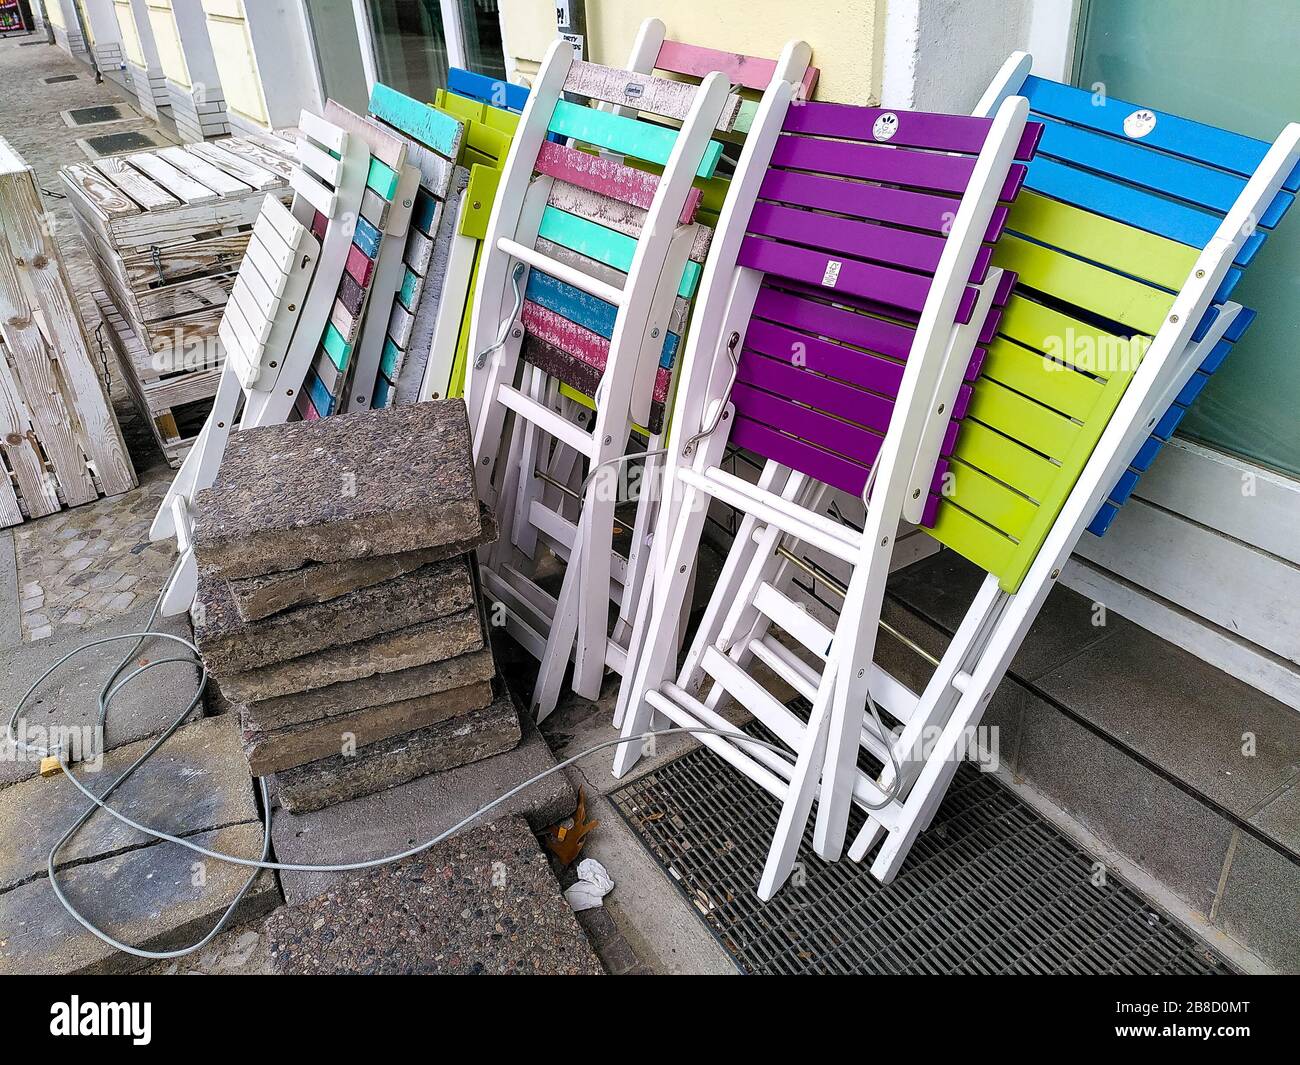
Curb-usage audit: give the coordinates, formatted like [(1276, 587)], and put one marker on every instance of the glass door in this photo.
[(1236, 65)]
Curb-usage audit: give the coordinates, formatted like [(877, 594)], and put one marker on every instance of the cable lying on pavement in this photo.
[(113, 686)]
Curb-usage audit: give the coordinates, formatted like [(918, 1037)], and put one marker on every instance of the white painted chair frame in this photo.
[(644, 306), (336, 192), (781, 504), (996, 623)]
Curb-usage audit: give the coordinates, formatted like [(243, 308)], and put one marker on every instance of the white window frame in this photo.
[(453, 31)]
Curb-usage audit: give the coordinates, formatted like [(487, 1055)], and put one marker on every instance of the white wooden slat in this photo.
[(324, 166), (247, 171), (280, 252), (275, 215), (314, 193), (265, 290), (399, 324), (258, 317), (139, 188), (322, 132), (203, 171), (250, 295), (180, 185), (271, 269), (642, 92)]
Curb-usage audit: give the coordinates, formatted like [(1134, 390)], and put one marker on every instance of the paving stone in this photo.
[(393, 820), (1225, 738), (274, 752), (69, 697), (485, 902), (466, 738), (322, 703), (1178, 839), (417, 645), (198, 780), (260, 597), (374, 482), (232, 645), (942, 586), (1260, 906), (150, 897)]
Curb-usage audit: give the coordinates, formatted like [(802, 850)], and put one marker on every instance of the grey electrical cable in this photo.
[(117, 682)]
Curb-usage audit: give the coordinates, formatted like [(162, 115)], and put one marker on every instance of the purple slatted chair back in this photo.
[(848, 230)]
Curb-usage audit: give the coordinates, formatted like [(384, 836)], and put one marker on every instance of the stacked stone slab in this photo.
[(338, 603)]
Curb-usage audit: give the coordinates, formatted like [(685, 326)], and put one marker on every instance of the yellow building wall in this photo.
[(54, 14), (232, 48), (171, 55), (131, 46), (85, 21), (846, 35)]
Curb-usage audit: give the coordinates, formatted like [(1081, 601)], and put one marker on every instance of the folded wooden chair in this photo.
[(273, 323), (488, 133), (548, 490), (1133, 227), (409, 279), (542, 315), (849, 298), (353, 341)]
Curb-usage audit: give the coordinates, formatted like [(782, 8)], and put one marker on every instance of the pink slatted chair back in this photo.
[(848, 230), (745, 71)]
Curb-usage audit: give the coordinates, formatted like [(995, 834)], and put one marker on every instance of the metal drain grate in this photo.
[(62, 77), (114, 143), (991, 887), (98, 114)]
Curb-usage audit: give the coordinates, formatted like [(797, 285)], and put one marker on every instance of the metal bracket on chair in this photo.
[(516, 275), (689, 447)]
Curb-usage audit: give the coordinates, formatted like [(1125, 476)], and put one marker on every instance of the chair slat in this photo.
[(1045, 329), (814, 316), (1072, 393), (905, 129), (1204, 186), (604, 245), (836, 275), (874, 162), (825, 394), (1006, 459), (627, 136), (606, 176), (644, 92), (1179, 136), (832, 469), (1013, 415), (1119, 299), (824, 357), (1121, 247), (882, 244), (989, 500), (488, 90)]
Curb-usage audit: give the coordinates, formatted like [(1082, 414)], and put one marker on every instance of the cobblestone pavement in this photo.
[(88, 565)]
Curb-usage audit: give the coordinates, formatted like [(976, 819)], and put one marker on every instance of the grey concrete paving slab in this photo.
[(69, 697), (461, 740), (197, 781), (483, 903), (153, 897), (1228, 740), (392, 820), (1260, 904), (372, 483)]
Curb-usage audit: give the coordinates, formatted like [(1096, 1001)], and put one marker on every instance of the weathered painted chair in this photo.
[(847, 301), (353, 340), (410, 277), (551, 477), (488, 133), (543, 315), (1133, 228), (272, 326)]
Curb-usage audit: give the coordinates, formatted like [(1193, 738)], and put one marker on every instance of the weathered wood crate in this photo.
[(60, 444), (167, 229)]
